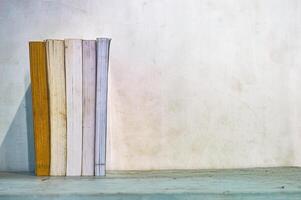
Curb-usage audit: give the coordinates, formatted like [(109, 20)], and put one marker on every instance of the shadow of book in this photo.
[(17, 148)]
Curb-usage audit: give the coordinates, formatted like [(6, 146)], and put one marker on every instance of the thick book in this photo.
[(57, 99), (89, 91), (40, 105), (102, 67), (73, 64)]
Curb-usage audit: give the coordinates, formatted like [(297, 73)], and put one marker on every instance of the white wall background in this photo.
[(193, 84)]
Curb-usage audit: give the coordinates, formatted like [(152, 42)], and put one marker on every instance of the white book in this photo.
[(57, 106), (102, 67), (89, 92), (73, 65)]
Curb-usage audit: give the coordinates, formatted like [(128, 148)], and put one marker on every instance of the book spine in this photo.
[(38, 73), (57, 98), (73, 64), (103, 46), (89, 90)]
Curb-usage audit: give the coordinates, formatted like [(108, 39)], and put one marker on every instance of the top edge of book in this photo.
[(52, 40), (62, 40), (72, 39), (101, 39), (97, 39), (36, 41)]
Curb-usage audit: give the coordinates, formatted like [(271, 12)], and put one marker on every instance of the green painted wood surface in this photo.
[(260, 183)]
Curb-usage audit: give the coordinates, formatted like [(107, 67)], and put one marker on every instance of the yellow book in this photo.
[(40, 104)]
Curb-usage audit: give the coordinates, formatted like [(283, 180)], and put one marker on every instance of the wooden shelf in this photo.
[(258, 183)]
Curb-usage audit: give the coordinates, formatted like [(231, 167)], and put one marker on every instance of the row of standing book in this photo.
[(69, 81)]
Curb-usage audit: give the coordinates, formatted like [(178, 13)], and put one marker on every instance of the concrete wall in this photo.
[(193, 84)]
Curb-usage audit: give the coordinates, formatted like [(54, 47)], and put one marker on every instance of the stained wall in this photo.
[(193, 84)]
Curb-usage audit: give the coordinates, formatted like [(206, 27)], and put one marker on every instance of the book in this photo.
[(40, 105), (89, 88), (57, 99), (73, 64), (102, 67)]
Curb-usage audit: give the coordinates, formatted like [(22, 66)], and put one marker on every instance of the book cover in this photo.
[(102, 67), (57, 99), (89, 91), (73, 64), (40, 105)]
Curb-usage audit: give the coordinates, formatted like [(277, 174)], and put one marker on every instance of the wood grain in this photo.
[(103, 46), (40, 105), (73, 61), (89, 90), (57, 94)]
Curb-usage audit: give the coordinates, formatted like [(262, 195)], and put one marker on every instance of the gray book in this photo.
[(102, 68), (89, 92)]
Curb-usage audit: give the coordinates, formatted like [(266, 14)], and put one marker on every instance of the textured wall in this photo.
[(193, 84)]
